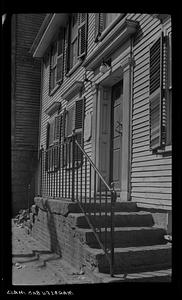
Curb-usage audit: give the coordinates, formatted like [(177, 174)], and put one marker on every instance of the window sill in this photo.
[(166, 149), (74, 68)]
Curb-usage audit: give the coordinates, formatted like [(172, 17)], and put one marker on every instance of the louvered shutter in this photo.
[(47, 135), (67, 47), (82, 34), (51, 133), (60, 57), (79, 113), (79, 118), (47, 145), (99, 25), (157, 103)]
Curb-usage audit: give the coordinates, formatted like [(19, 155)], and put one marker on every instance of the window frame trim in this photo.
[(57, 82), (110, 27)]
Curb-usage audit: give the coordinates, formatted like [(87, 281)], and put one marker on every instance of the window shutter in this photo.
[(99, 25), (47, 145), (67, 48), (82, 34), (51, 133), (79, 114), (60, 58), (79, 118), (157, 102), (51, 79), (47, 135)]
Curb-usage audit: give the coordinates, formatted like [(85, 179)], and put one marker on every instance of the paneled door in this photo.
[(116, 134)]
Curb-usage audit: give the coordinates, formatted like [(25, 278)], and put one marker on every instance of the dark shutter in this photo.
[(157, 102), (60, 58), (47, 145), (99, 25), (82, 34), (51, 79), (79, 118), (47, 135), (67, 45), (60, 65), (51, 133), (79, 114)]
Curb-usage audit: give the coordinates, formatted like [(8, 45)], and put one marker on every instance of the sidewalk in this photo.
[(34, 264)]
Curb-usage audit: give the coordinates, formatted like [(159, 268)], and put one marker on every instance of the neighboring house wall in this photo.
[(25, 108), (150, 173)]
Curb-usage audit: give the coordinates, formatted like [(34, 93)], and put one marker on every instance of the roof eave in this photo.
[(49, 27)]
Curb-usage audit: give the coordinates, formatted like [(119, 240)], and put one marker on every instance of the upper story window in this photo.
[(57, 61), (76, 39), (104, 22), (109, 18)]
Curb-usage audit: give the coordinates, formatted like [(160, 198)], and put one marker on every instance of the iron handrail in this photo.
[(113, 200), (95, 168)]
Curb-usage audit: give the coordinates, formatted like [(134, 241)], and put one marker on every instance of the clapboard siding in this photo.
[(27, 81), (26, 103), (150, 173), (148, 170)]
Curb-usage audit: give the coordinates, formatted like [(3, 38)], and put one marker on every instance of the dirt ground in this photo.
[(26, 267)]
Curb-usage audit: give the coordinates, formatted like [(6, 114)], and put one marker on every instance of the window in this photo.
[(57, 61), (160, 89), (59, 131), (74, 121), (103, 21), (76, 39), (55, 134)]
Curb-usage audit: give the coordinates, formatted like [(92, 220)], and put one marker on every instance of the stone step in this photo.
[(130, 259), (102, 207), (123, 236), (121, 219), (64, 207), (163, 275)]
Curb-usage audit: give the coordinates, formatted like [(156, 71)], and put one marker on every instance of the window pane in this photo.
[(110, 17), (70, 121), (73, 58), (53, 54)]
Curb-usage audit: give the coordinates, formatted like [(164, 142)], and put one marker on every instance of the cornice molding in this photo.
[(47, 32), (117, 36), (72, 90), (55, 106)]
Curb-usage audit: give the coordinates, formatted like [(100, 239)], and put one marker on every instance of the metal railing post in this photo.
[(113, 200), (41, 161), (73, 166)]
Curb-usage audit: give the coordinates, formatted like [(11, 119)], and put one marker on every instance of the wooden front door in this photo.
[(116, 134)]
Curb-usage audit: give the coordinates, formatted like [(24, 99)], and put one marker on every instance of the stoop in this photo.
[(140, 246)]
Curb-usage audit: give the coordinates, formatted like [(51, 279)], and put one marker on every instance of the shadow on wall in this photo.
[(54, 242)]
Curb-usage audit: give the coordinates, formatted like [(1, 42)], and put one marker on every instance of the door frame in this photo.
[(111, 139), (124, 69)]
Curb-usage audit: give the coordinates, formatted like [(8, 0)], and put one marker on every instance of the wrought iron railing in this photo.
[(67, 171)]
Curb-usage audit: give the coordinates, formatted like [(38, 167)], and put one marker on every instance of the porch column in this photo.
[(126, 66)]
